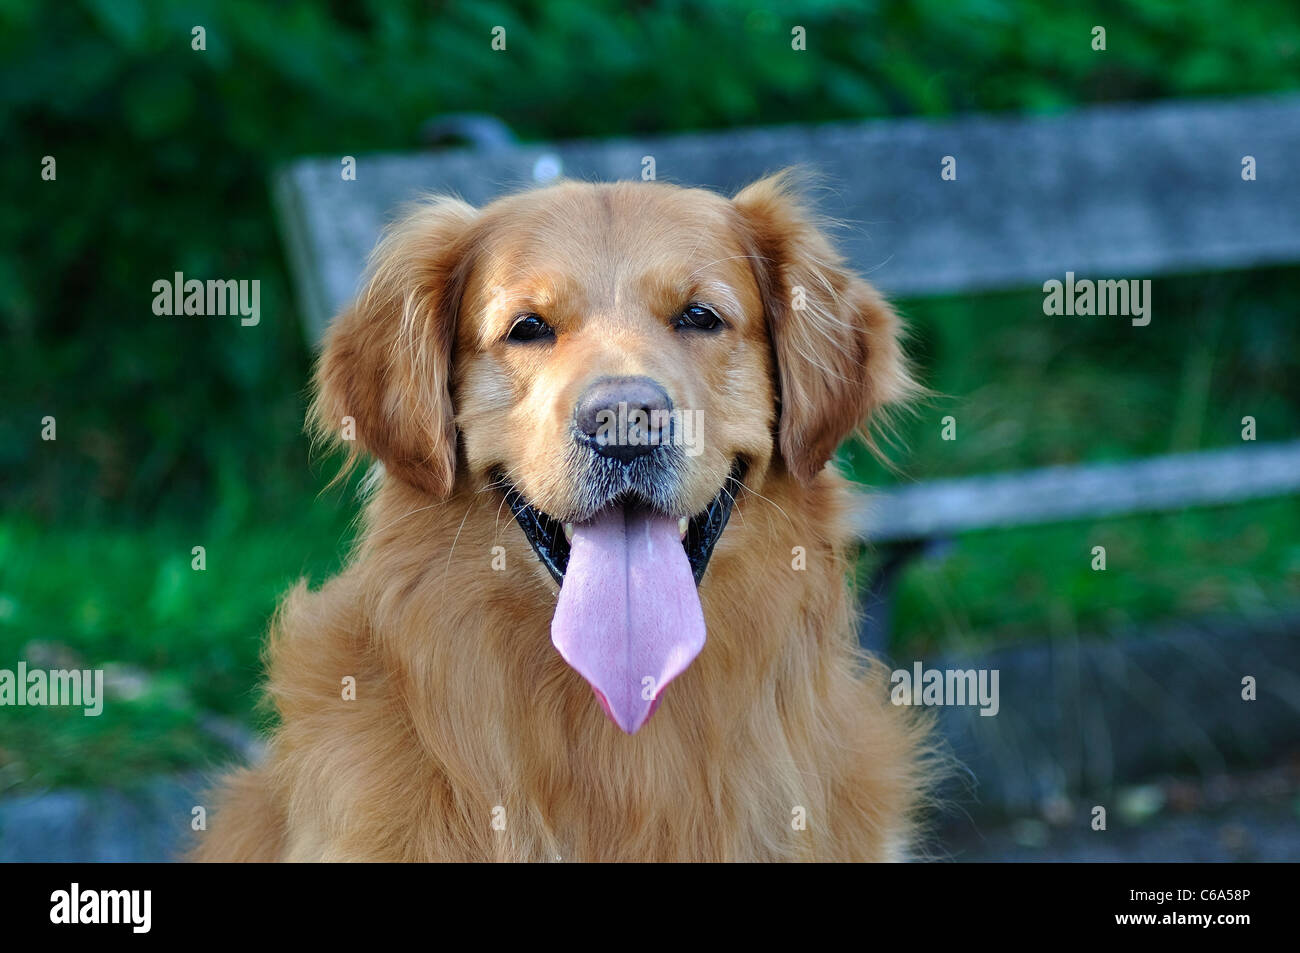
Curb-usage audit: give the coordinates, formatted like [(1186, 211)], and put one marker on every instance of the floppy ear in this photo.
[(383, 380), (836, 340)]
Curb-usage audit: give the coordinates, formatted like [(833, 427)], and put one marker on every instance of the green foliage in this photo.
[(179, 432), (1027, 390), (130, 600), (1031, 390), (1038, 582), (164, 151)]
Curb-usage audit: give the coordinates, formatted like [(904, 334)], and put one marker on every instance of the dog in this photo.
[(599, 608)]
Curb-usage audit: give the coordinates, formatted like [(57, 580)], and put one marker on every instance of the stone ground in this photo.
[(1245, 817), (1260, 831), (147, 823)]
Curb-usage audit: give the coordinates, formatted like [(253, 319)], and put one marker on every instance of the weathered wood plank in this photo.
[(1059, 494), (1125, 191)]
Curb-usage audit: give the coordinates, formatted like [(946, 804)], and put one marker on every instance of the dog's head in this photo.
[(620, 361)]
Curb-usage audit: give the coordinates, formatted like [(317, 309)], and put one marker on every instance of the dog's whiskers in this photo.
[(418, 509), (451, 551), (760, 496)]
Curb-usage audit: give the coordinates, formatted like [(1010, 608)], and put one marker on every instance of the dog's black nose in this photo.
[(624, 417)]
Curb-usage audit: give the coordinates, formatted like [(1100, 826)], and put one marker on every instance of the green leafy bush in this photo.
[(164, 152)]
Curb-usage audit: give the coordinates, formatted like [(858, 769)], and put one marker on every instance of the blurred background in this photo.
[(172, 435)]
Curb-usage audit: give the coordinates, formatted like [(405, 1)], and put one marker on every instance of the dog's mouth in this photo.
[(552, 539), (628, 617)]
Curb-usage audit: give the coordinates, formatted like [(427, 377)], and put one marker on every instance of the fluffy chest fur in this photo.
[(469, 739)]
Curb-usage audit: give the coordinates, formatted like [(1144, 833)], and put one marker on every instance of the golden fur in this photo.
[(464, 711)]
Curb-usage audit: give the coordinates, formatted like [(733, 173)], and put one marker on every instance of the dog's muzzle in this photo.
[(628, 617)]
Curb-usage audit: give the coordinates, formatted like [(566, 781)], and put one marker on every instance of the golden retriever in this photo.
[(600, 608)]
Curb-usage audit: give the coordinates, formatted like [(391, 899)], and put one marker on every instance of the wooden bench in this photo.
[(1129, 191), (906, 521)]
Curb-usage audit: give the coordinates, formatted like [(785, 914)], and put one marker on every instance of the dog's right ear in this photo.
[(383, 381)]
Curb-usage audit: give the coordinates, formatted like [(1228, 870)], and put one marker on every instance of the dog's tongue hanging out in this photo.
[(629, 616)]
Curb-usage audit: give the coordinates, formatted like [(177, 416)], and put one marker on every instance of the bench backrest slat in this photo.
[(1055, 494), (1116, 192)]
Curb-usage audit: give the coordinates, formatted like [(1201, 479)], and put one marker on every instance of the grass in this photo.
[(181, 643), (1026, 390), (1034, 583)]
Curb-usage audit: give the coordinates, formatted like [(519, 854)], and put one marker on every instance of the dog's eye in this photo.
[(698, 318), (530, 327)]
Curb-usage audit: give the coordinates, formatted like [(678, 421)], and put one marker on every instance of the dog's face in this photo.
[(613, 347), (620, 362), (613, 299)]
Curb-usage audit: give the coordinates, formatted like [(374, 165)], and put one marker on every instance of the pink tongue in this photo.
[(629, 617)]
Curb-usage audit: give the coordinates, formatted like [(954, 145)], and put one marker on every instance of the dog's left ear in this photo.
[(383, 382), (836, 340)]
